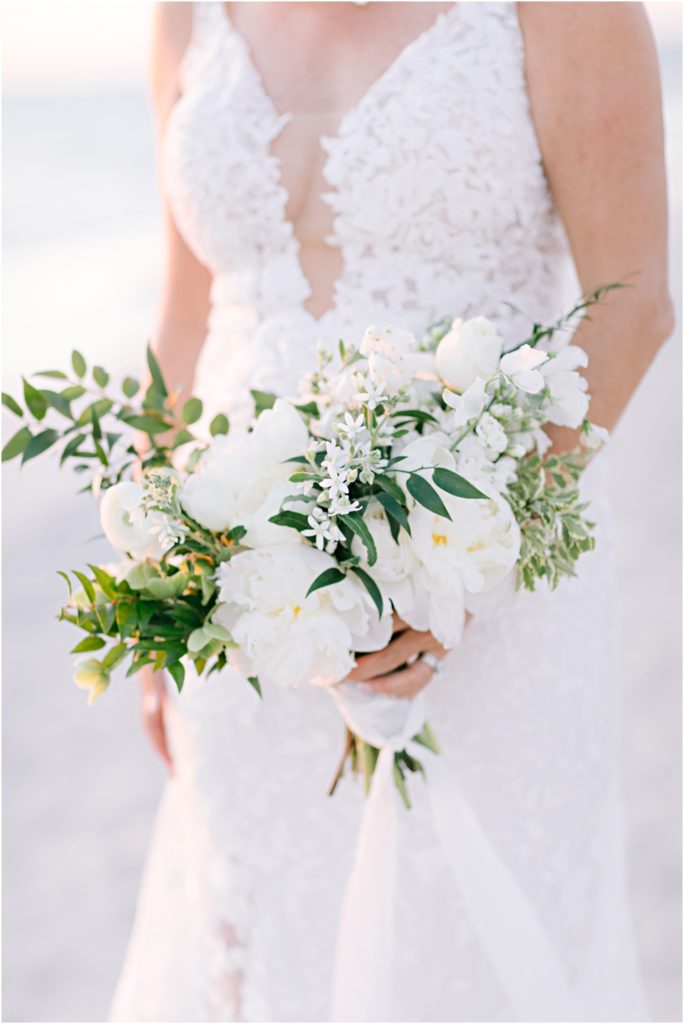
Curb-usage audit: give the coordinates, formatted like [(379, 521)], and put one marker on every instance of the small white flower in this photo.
[(351, 425), (491, 433), (327, 534), (521, 366), (370, 393)]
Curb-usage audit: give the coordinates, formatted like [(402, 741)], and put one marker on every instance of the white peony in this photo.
[(471, 349), (394, 359), (285, 637), (467, 554), (522, 366), (242, 479), (568, 401), (125, 524)]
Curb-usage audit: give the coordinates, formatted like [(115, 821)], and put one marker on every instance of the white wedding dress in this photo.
[(441, 206)]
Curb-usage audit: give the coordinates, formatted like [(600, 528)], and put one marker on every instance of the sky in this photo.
[(71, 43)]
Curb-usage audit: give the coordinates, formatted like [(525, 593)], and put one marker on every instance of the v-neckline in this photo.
[(326, 142), (403, 53)]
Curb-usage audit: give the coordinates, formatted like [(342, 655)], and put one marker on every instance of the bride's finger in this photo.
[(403, 647), (406, 683)]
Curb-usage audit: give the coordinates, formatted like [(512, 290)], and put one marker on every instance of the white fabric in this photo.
[(441, 205)]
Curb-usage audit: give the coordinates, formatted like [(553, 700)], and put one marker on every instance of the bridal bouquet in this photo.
[(408, 475)]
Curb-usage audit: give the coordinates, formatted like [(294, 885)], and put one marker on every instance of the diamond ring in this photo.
[(432, 662)]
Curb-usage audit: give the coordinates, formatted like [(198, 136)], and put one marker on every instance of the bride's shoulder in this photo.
[(583, 36)]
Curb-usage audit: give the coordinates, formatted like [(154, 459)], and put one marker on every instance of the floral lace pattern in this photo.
[(440, 204)]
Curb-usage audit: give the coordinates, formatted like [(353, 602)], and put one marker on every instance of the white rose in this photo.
[(280, 433), (568, 401), (284, 636), (125, 524), (471, 349)]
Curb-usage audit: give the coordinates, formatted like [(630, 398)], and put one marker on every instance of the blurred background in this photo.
[(81, 259)]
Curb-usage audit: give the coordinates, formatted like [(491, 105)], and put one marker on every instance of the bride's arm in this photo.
[(184, 309), (594, 86)]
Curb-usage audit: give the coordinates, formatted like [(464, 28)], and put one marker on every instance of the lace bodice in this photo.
[(435, 179)]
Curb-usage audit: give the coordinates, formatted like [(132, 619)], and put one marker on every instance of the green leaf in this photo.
[(390, 487), (148, 424), (371, 586), (394, 510), (90, 643), (254, 681), (56, 400), (155, 373), (308, 409), (16, 444), (35, 402), (262, 400), (65, 577), (11, 404), (326, 579), (455, 484), (177, 672), (55, 374), (72, 446), (130, 387), (78, 363), (106, 582), (72, 392), (114, 656), (166, 587), (219, 425), (296, 520), (39, 444), (426, 495), (182, 437), (356, 522), (100, 376), (400, 783), (86, 584), (192, 410)]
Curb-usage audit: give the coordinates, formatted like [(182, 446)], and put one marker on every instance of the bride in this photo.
[(327, 166)]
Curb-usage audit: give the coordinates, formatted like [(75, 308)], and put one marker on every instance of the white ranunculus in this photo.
[(471, 349), (285, 637), (568, 401), (243, 478), (522, 366), (125, 524)]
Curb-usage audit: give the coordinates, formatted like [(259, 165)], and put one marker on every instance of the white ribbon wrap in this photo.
[(506, 923)]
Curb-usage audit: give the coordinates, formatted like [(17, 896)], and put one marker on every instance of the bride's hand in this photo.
[(377, 670), (153, 699)]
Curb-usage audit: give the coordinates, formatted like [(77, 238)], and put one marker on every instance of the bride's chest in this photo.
[(439, 144)]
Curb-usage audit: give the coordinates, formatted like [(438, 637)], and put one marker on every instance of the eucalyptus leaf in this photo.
[(78, 363), (219, 425), (35, 402), (39, 444)]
